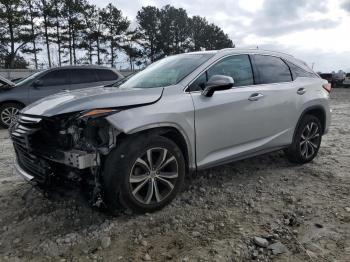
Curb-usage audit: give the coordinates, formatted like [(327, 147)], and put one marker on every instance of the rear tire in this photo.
[(8, 112), (130, 181), (307, 140)]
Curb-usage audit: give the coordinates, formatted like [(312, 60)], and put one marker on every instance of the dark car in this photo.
[(13, 97), (327, 76)]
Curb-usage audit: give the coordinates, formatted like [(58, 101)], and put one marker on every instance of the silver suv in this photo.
[(132, 144)]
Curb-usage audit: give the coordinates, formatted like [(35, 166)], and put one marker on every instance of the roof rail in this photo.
[(253, 49)]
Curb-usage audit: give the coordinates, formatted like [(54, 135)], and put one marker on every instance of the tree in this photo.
[(72, 13), (55, 15), (46, 11), (31, 15), (207, 36), (115, 26), (131, 47), (11, 16), (93, 34), (170, 31), (174, 30), (148, 26)]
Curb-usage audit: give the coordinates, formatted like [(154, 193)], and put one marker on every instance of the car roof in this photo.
[(229, 51), (82, 67), (241, 50)]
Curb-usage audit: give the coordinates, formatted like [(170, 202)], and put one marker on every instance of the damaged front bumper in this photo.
[(46, 151), (21, 172)]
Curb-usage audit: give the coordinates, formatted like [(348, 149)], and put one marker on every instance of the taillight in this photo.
[(327, 87)]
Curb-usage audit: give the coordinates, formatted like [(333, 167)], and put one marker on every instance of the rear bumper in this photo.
[(21, 172)]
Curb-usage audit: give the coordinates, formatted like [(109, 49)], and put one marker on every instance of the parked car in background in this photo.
[(132, 144), (328, 77), (48, 82), (338, 79), (346, 82)]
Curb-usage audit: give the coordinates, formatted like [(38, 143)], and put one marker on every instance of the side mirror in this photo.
[(217, 83), (38, 83)]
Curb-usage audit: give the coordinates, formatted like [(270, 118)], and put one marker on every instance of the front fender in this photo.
[(172, 110)]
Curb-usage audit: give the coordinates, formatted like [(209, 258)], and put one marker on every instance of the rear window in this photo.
[(326, 76), (80, 76), (106, 75), (299, 72), (270, 69)]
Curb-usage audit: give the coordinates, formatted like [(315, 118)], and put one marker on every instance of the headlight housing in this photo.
[(98, 112)]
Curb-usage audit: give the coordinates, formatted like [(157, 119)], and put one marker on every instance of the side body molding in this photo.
[(175, 109)]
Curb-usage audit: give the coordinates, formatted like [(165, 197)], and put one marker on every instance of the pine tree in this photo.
[(31, 17), (55, 16), (148, 26), (46, 14), (116, 26), (12, 35)]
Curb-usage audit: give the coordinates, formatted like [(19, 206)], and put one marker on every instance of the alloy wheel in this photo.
[(153, 176), (310, 140), (8, 115)]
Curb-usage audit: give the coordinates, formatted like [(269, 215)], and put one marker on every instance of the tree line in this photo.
[(60, 32)]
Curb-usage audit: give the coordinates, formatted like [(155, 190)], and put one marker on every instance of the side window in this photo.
[(299, 72), (236, 66), (106, 75), (199, 83), (55, 78), (270, 69), (80, 76)]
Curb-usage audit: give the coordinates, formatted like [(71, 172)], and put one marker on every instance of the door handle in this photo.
[(255, 97), (301, 91), (64, 90)]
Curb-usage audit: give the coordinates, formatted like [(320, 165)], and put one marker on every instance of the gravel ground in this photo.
[(262, 209)]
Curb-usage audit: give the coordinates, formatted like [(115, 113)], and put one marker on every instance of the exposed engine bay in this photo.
[(69, 147)]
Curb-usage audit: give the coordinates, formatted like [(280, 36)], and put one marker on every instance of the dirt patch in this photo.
[(302, 213)]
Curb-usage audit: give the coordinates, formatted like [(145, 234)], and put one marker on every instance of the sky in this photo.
[(316, 31)]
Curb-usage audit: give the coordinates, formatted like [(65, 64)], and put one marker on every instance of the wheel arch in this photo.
[(317, 111), (174, 134), (11, 102)]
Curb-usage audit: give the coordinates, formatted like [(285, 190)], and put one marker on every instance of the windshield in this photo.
[(166, 72), (28, 78)]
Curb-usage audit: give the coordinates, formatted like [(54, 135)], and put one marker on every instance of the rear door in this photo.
[(52, 82), (83, 78), (275, 81)]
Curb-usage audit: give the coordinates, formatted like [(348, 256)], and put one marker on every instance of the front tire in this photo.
[(307, 140), (144, 173)]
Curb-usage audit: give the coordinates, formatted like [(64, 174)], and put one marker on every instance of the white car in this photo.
[(346, 82)]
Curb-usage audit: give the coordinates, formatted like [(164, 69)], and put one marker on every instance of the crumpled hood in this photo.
[(91, 98)]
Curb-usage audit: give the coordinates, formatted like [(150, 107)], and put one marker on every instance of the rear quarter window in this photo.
[(80, 76), (270, 69), (106, 75), (299, 72)]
